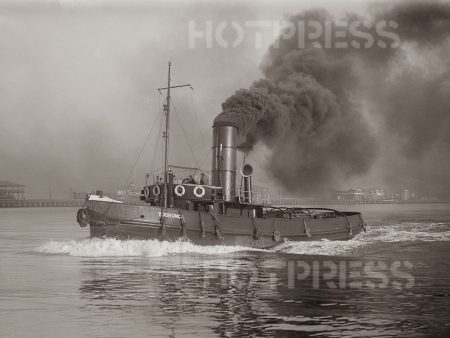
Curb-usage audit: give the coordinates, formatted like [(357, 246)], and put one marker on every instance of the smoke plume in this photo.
[(317, 105)]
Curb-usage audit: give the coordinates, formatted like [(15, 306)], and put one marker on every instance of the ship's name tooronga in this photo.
[(169, 215)]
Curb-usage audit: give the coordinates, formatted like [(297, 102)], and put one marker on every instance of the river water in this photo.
[(393, 280)]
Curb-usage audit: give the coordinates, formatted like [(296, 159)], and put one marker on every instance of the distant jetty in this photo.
[(37, 203), (306, 201), (12, 195)]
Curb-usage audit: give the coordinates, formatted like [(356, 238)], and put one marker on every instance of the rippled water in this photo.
[(392, 281)]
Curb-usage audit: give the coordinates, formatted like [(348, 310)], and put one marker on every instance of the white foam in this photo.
[(130, 248), (322, 247), (391, 233), (154, 248), (409, 232)]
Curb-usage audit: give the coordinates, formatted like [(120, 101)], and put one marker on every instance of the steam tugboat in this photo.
[(212, 214)]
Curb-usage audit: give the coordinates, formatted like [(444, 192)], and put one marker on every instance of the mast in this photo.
[(166, 140), (166, 133)]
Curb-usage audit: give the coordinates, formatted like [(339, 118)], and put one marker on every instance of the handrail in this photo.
[(258, 197)]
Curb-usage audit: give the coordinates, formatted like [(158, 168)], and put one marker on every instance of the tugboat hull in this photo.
[(128, 221)]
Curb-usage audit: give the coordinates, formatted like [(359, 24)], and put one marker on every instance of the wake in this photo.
[(404, 232), (131, 248)]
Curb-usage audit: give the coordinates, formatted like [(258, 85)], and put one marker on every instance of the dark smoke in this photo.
[(309, 107), (414, 98)]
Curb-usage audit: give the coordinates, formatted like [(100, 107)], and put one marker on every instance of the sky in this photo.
[(79, 79)]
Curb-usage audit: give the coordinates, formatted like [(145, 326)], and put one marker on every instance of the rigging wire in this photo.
[(184, 132), (156, 148), (183, 83), (162, 131), (198, 120), (162, 146), (204, 158), (202, 135), (158, 142), (142, 149)]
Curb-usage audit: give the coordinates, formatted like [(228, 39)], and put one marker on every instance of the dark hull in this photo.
[(127, 221)]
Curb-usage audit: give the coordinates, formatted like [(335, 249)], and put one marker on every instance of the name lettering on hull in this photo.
[(169, 215)]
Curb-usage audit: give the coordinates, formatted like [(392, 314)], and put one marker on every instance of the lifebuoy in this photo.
[(146, 192), (82, 217), (180, 190), (200, 193), (156, 190)]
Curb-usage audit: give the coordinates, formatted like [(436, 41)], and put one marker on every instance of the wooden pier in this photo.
[(307, 201), (38, 203), (321, 202)]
